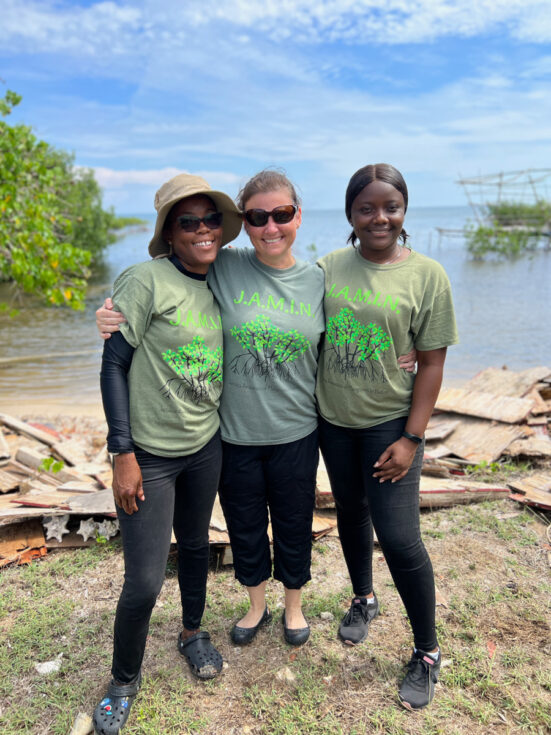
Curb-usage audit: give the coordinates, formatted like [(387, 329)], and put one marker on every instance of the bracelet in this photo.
[(412, 437)]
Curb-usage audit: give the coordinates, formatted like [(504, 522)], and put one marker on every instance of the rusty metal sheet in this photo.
[(505, 382), (478, 440), (484, 405)]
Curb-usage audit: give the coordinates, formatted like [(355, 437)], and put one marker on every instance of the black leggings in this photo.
[(363, 503), (178, 491), (281, 478)]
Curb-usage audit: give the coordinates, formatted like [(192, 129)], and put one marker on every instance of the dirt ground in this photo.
[(492, 570)]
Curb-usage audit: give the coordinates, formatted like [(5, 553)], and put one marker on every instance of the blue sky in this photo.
[(140, 91)]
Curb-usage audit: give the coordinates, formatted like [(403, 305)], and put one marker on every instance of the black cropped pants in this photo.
[(179, 492), (281, 479), (363, 503)]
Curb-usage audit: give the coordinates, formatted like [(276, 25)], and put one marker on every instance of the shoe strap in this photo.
[(124, 690)]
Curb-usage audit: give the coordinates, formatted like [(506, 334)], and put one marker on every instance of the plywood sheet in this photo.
[(477, 440), (484, 405), (508, 382), (537, 487), (23, 428), (9, 481), (440, 427), (4, 448), (436, 492), (100, 503), (533, 446)]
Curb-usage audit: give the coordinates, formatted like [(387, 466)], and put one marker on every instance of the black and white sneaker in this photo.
[(355, 624), (417, 688)]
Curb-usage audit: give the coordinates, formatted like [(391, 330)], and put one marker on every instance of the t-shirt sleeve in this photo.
[(435, 326), (134, 299)]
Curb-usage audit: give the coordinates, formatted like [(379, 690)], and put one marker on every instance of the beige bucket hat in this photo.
[(187, 185)]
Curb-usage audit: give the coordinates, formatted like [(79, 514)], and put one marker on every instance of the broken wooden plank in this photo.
[(4, 448), (72, 540), (23, 428), (438, 492), (100, 503), (21, 542), (505, 382), (440, 427), (540, 406), (9, 481), (484, 405), (437, 450), (72, 451), (74, 486), (539, 481), (32, 458), (533, 446), (45, 500), (477, 440)]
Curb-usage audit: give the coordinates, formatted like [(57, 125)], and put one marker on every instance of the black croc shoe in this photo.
[(113, 710), (204, 660), (241, 636)]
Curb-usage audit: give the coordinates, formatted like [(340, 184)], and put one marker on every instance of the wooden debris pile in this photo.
[(56, 491), (498, 415)]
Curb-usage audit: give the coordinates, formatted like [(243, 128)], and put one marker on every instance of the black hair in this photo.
[(367, 175)]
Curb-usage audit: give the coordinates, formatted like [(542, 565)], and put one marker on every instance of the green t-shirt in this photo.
[(273, 321), (375, 313), (175, 379)]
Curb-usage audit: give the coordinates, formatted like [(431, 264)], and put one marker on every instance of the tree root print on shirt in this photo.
[(269, 351), (199, 371), (355, 348)]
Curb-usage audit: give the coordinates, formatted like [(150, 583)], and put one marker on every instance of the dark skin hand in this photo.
[(127, 482), (396, 460)]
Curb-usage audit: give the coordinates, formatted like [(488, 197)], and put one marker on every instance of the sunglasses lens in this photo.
[(190, 223), (257, 217), (213, 220), (280, 215)]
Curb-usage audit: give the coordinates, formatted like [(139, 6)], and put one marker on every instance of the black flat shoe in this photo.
[(242, 636), (295, 636)]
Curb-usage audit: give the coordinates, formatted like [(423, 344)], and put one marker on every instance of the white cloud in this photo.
[(110, 30), (112, 179)]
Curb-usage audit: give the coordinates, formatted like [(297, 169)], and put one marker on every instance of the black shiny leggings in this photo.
[(363, 503), (178, 492)]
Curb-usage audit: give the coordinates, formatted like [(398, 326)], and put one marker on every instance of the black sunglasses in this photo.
[(280, 215), (191, 223)]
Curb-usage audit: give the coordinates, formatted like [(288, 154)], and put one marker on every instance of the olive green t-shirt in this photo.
[(175, 379), (375, 313)]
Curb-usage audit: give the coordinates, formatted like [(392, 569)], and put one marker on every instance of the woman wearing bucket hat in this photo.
[(161, 381)]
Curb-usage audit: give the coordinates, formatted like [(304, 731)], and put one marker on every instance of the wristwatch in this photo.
[(412, 437)]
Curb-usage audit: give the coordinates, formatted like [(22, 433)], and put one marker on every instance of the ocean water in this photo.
[(503, 311)]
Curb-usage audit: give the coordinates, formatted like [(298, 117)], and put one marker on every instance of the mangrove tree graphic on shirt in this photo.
[(268, 349), (355, 348), (199, 370)]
